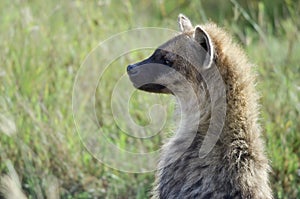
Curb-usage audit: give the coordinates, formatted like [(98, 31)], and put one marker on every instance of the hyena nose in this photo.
[(130, 69)]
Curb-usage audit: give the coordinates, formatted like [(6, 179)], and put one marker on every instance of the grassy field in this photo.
[(43, 44)]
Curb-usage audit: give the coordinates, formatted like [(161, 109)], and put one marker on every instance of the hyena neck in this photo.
[(194, 111)]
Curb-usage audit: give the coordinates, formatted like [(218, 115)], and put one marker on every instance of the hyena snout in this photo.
[(145, 75)]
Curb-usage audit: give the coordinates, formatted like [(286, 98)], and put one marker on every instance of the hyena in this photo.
[(236, 166)]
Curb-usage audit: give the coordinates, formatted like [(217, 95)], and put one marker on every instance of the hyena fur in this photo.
[(237, 166)]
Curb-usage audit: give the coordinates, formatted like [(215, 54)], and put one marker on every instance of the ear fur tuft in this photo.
[(184, 23)]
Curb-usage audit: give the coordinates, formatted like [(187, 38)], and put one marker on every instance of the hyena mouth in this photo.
[(156, 88)]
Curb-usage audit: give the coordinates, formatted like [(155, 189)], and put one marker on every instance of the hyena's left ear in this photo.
[(202, 37), (184, 23)]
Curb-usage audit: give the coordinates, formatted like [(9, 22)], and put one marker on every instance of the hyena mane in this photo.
[(236, 166)]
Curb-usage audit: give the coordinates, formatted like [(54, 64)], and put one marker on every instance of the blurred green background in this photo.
[(43, 44)]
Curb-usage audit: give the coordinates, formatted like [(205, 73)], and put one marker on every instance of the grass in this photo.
[(43, 45)]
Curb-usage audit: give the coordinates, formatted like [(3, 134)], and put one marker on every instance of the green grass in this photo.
[(43, 44)]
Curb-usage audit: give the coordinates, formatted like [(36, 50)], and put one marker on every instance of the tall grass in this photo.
[(43, 44)]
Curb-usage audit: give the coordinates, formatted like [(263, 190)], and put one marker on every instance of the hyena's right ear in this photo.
[(202, 38), (184, 23)]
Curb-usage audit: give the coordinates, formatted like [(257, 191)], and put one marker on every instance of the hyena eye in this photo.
[(168, 62)]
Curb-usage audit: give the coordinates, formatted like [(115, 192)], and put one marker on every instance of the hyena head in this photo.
[(176, 64)]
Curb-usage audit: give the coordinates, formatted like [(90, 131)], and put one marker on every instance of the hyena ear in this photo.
[(184, 23), (204, 40)]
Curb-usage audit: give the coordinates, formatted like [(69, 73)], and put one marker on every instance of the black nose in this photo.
[(132, 69), (129, 67)]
